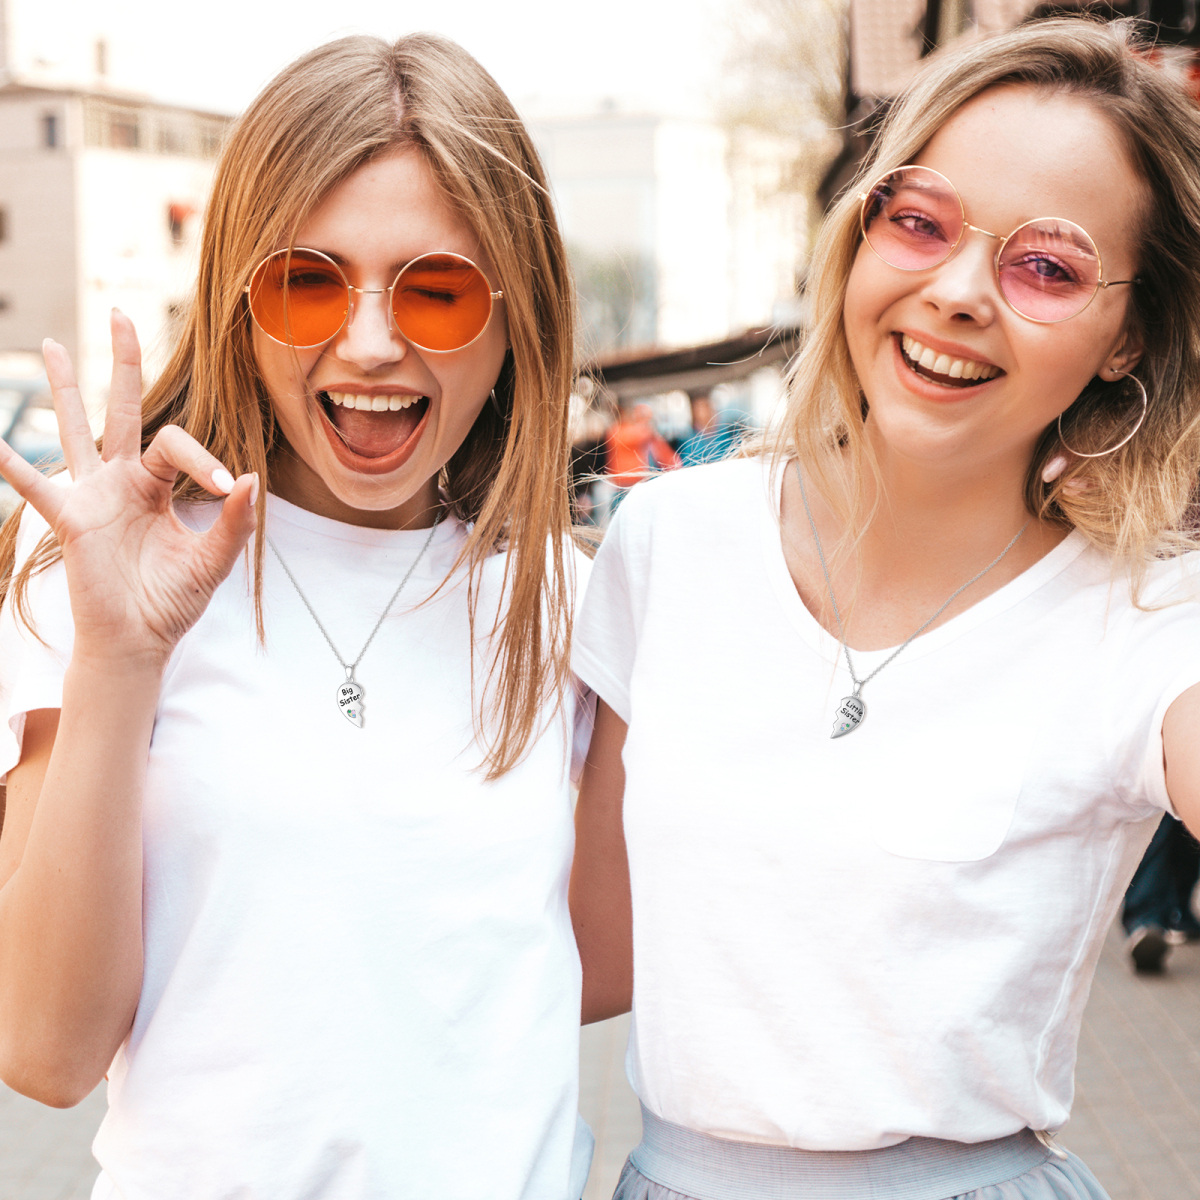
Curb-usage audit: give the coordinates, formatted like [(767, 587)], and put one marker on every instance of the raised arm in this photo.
[(600, 901), (71, 849), (1181, 756)]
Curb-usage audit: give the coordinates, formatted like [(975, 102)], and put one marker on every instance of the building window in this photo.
[(51, 133), (123, 130)]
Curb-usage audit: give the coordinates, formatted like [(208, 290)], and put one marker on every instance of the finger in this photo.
[(173, 451), (123, 421), (226, 538), (30, 484), (78, 441)]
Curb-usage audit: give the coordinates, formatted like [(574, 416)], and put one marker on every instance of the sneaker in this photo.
[(1148, 947)]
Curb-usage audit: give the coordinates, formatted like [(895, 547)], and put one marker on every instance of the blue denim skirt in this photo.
[(673, 1163)]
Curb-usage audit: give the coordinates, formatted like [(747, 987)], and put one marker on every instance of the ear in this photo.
[(1124, 357)]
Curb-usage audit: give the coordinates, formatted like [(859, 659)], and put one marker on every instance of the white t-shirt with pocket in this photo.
[(841, 943)]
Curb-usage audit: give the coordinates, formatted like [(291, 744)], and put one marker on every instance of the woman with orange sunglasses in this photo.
[(288, 720), (853, 865)]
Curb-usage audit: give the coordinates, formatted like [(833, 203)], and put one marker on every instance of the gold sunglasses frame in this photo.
[(1101, 282), (351, 289)]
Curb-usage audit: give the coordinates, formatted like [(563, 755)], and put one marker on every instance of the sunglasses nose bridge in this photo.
[(353, 292)]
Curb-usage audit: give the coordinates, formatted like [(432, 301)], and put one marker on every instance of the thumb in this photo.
[(230, 532)]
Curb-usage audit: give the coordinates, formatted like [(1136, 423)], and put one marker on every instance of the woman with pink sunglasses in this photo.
[(287, 716), (854, 863)]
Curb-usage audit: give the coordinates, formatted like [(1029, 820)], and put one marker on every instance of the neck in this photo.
[(929, 518)]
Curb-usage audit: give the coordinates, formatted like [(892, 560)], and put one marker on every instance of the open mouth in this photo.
[(941, 368), (376, 430)]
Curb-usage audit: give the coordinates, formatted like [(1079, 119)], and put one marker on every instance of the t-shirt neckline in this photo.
[(829, 647), (280, 511)]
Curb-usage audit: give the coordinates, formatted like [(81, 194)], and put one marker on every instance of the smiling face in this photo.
[(369, 419), (952, 374)]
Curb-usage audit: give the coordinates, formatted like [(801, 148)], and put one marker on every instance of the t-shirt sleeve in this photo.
[(1159, 660), (33, 660), (606, 634)]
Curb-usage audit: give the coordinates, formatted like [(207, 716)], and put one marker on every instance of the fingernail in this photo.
[(222, 480), (1054, 468), (253, 490)]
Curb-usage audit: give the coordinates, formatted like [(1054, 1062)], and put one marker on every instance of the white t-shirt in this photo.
[(839, 944), (360, 977)]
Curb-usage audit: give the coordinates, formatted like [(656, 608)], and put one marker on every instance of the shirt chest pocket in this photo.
[(946, 788)]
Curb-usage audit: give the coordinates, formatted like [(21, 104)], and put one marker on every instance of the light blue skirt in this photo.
[(673, 1163)]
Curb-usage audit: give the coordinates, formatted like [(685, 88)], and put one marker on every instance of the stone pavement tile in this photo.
[(45, 1153), (607, 1103)]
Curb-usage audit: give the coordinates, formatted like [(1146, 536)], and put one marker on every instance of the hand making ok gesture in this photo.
[(138, 577)]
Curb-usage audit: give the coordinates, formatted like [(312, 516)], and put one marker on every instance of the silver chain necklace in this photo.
[(350, 693), (852, 710)]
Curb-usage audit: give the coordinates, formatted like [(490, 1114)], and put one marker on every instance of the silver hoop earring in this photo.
[(496, 402), (1128, 437)]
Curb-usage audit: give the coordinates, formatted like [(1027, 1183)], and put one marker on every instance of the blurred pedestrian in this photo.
[(635, 447), (1157, 912), (714, 435), (284, 703)]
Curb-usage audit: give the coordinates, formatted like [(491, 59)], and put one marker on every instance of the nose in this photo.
[(964, 287), (369, 339)]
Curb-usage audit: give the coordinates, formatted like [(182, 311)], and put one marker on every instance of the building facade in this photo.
[(101, 196), (680, 231)]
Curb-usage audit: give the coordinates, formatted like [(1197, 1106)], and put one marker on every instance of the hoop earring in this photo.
[(1128, 437), (496, 402)]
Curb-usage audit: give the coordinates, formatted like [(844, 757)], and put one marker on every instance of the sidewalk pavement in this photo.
[(1136, 1120)]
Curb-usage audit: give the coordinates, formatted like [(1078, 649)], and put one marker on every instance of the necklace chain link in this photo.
[(350, 668)]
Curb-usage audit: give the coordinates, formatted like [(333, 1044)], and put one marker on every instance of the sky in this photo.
[(549, 55)]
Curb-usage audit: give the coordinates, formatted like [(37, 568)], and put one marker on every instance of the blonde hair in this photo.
[(1134, 503), (319, 120)]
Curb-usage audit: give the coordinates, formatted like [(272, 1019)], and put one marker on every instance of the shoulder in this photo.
[(702, 494)]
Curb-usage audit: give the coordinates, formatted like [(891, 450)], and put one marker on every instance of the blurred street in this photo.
[(1136, 1121)]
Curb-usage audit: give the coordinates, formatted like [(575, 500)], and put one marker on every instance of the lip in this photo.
[(372, 466), (371, 389), (953, 349), (926, 388)]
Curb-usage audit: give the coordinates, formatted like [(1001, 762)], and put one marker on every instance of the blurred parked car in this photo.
[(27, 424)]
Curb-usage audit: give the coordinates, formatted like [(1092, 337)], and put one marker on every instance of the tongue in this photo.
[(374, 434)]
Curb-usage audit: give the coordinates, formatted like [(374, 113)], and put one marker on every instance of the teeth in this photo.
[(372, 403), (943, 364)]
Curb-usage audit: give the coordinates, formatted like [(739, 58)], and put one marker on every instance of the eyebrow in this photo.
[(393, 269), (1056, 233)]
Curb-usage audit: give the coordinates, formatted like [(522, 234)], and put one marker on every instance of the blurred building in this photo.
[(890, 38), (101, 196), (680, 231)]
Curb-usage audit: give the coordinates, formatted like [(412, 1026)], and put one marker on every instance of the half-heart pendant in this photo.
[(350, 702), (851, 713)]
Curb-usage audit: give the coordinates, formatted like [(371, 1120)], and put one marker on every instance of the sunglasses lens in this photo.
[(300, 298), (912, 218), (441, 302), (1049, 270)]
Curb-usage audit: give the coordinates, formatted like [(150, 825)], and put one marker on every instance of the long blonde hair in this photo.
[(1134, 500), (319, 120)]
